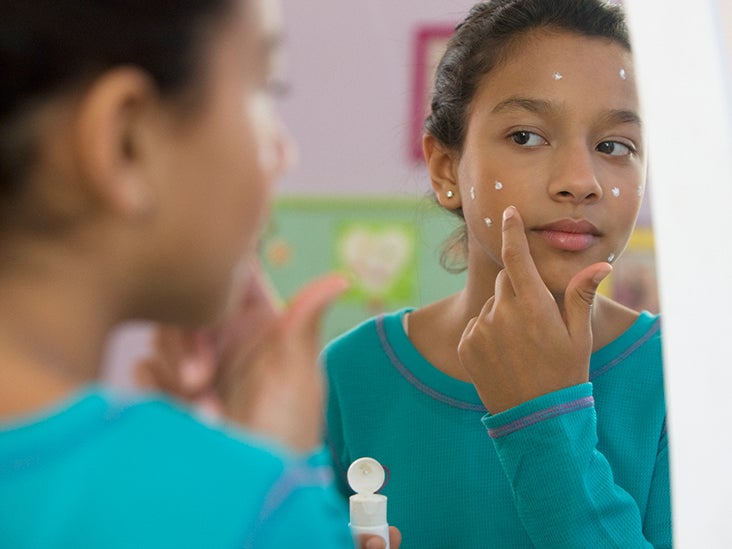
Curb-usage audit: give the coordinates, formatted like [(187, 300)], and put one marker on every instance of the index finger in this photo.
[(516, 256)]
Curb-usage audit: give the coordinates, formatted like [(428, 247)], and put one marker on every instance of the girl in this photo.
[(535, 140), (137, 146)]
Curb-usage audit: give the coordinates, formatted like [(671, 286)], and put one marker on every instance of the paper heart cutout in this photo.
[(376, 256)]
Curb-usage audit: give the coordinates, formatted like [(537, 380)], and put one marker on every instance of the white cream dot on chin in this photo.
[(488, 222), (611, 258), (498, 185)]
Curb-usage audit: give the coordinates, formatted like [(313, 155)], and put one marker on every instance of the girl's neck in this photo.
[(53, 327), (435, 330)]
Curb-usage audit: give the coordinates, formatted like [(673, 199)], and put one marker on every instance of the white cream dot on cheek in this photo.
[(623, 74), (498, 185), (640, 190), (616, 192), (488, 222), (472, 193)]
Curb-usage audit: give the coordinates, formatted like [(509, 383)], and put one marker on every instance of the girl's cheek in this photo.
[(492, 194), (272, 142)]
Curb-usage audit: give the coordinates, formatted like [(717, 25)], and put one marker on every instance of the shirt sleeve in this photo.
[(563, 487)]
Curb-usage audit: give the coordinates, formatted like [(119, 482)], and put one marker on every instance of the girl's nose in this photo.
[(287, 151), (574, 178)]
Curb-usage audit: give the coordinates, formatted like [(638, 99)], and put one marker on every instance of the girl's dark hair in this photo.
[(483, 41), (49, 46)]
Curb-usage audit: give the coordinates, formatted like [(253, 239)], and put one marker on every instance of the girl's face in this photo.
[(555, 131), (219, 163)]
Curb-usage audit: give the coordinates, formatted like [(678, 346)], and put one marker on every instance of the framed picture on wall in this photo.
[(430, 42)]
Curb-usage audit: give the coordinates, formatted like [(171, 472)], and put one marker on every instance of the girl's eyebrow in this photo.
[(622, 116), (541, 106), (525, 103)]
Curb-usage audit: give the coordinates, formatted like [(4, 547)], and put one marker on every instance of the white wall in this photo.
[(684, 73)]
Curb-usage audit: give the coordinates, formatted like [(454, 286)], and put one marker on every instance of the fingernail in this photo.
[(600, 275), (375, 543), (509, 212)]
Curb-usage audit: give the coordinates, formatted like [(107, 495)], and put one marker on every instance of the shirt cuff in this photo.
[(531, 412)]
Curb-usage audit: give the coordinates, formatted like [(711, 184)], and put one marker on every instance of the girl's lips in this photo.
[(572, 242), (569, 234)]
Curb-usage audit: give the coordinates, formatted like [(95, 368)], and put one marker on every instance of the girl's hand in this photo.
[(275, 385), (521, 346), (259, 367), (376, 542)]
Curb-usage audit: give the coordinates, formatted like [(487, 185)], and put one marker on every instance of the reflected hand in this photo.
[(521, 345)]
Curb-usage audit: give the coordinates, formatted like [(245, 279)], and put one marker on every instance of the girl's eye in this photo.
[(527, 139), (614, 148)]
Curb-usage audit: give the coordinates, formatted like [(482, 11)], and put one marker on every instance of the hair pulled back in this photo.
[(484, 40), (48, 46)]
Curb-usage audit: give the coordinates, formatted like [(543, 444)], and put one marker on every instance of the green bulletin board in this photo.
[(388, 247)]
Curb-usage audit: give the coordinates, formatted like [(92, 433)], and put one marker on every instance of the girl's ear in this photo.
[(442, 166), (113, 141)]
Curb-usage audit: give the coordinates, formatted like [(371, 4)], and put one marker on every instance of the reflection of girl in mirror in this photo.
[(138, 144), (535, 140)]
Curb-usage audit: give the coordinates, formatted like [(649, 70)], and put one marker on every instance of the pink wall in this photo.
[(351, 68)]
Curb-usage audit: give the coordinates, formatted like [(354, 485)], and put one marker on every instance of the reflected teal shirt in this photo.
[(583, 467)]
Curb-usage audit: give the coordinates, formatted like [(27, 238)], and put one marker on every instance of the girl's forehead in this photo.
[(563, 67), (572, 51)]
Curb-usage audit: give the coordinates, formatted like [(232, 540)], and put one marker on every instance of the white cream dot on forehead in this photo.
[(616, 192), (488, 222), (498, 185), (557, 76)]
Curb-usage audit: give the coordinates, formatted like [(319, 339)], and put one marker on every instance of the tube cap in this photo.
[(366, 476)]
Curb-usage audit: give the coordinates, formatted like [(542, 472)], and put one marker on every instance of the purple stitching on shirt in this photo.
[(541, 415), (412, 379), (630, 350)]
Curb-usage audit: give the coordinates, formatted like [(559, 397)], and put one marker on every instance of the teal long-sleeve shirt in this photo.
[(107, 472), (583, 467)]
